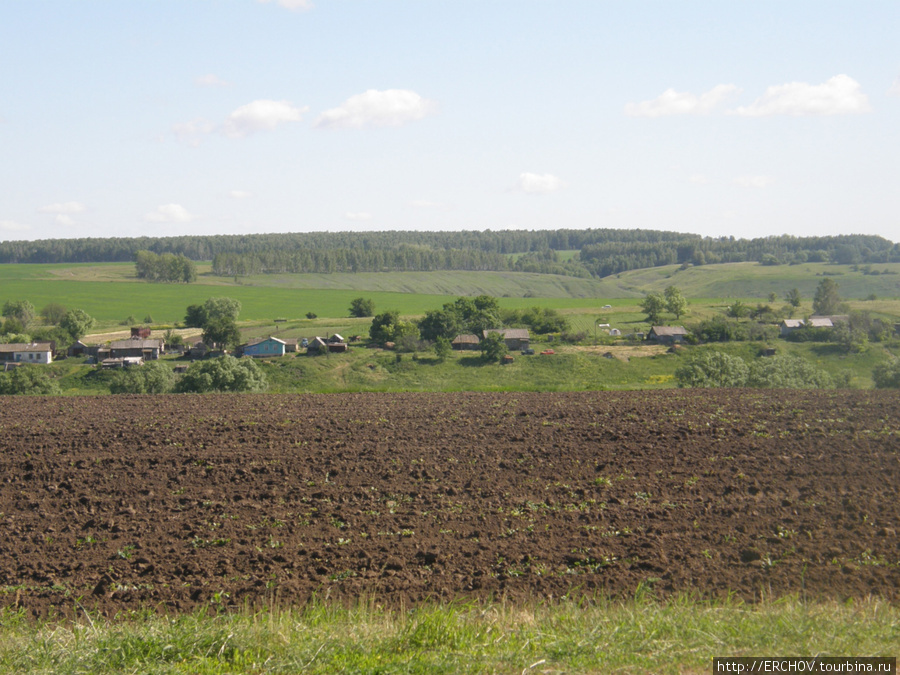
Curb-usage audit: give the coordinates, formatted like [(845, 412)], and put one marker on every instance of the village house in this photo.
[(515, 338), (788, 326), (32, 352), (262, 347), (465, 341), (319, 345), (146, 348), (667, 335)]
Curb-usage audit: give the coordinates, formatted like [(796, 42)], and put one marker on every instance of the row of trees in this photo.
[(60, 325), (602, 252), (167, 267), (711, 368)]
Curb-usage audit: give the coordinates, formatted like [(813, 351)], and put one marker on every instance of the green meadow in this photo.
[(110, 292)]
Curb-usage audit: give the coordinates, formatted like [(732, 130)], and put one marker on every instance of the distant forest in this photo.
[(601, 252)]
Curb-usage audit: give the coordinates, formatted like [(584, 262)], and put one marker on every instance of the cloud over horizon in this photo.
[(839, 95), (169, 213), (293, 5), (672, 102), (261, 115), (758, 182), (389, 108), (539, 184)]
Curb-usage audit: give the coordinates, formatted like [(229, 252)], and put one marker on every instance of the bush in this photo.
[(493, 347), (151, 378), (787, 372), (713, 369), (225, 373), (31, 380), (887, 374)]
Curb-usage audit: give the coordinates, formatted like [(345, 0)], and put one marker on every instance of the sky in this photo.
[(124, 118)]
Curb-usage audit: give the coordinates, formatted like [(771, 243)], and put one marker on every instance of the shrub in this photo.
[(887, 374), (713, 369), (32, 380), (151, 378), (787, 372), (225, 373)]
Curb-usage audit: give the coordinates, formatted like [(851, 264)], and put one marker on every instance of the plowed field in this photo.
[(174, 502)]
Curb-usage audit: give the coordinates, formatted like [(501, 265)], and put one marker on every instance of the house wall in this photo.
[(32, 357)]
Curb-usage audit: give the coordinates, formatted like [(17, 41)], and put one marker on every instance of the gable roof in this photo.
[(13, 347), (508, 333), (668, 330), (465, 339), (137, 343)]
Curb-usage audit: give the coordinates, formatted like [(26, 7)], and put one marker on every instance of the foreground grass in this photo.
[(641, 636)]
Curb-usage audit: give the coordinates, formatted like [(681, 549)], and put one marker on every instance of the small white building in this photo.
[(33, 352)]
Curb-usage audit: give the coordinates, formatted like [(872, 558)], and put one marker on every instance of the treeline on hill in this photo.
[(601, 252), (168, 267)]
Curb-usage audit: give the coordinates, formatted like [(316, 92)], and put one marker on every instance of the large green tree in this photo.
[(77, 323), (713, 369), (654, 304), (221, 332), (20, 310), (827, 298), (28, 380), (362, 307), (676, 303)]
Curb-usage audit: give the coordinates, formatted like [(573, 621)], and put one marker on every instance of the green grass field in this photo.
[(110, 292), (682, 635)]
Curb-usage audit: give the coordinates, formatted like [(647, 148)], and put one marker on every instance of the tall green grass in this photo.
[(639, 636)]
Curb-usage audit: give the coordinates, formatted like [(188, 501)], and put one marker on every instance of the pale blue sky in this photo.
[(165, 117)]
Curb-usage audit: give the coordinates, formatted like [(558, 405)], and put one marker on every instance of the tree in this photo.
[(654, 304), (77, 323), (827, 299), (311, 315), (27, 380), (440, 323), (787, 372), (362, 307), (713, 369), (53, 313), (737, 310), (887, 374), (792, 297), (151, 378), (20, 310), (675, 302), (222, 308), (195, 317), (442, 349), (389, 327), (226, 374), (493, 347), (221, 332)]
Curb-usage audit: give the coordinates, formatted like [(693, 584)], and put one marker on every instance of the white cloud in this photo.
[(210, 80), (293, 5), (191, 132), (359, 216), (64, 211), (12, 226), (839, 95), (894, 90), (672, 102), (389, 108), (539, 184), (169, 213), (64, 208), (261, 115), (758, 182), (240, 194)]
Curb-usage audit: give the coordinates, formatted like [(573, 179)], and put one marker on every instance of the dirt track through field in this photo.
[(175, 502)]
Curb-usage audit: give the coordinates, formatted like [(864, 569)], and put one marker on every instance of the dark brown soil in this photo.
[(174, 502)]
